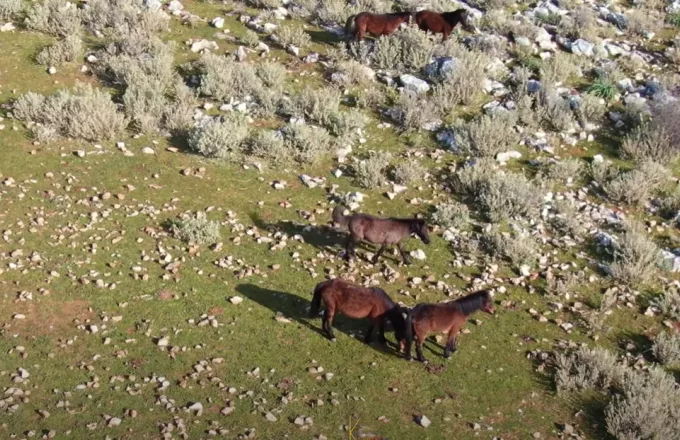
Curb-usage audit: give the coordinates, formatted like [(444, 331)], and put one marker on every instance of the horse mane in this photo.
[(472, 302), (398, 322), (458, 15)]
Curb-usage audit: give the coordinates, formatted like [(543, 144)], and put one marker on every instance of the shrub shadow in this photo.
[(324, 37), (297, 309), (321, 236)]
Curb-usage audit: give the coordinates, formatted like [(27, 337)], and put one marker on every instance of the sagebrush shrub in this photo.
[(271, 146), (387, 53), (318, 105), (409, 171), (265, 4), (347, 124), (451, 215), (123, 62), (224, 79), (145, 102), (250, 39), (370, 172), (602, 172), (669, 205), (54, 17), (469, 179), (636, 257), (559, 67), (517, 249), (506, 196), (196, 229), (9, 9), (222, 139), (124, 17), (636, 186), (488, 135), (666, 348), (591, 109), (642, 22), (563, 170), (586, 369), (412, 112), (466, 81), (86, 113), (272, 74), (647, 408), (178, 114), (409, 48), (554, 110), (308, 144), (669, 303), (581, 24), (293, 36), (63, 51), (565, 221), (353, 72)]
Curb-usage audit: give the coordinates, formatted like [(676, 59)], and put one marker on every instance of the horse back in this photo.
[(356, 301), (436, 317)]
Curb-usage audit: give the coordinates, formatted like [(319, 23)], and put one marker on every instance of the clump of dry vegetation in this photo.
[(54, 17), (666, 348), (464, 84), (63, 51), (409, 171), (307, 144), (636, 257), (9, 9), (586, 369), (293, 36), (451, 215), (224, 79), (86, 113), (409, 49), (487, 135), (637, 185), (317, 105), (370, 172), (220, 138), (195, 229), (412, 112), (518, 249)]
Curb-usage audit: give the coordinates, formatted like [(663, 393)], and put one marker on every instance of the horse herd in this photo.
[(357, 26), (375, 304)]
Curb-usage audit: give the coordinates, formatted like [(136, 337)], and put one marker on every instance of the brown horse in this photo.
[(430, 21), (382, 231), (358, 25), (358, 302), (448, 317)]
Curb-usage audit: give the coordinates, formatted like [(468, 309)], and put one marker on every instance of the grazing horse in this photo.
[(358, 302), (430, 21), (382, 231), (375, 24), (448, 317)]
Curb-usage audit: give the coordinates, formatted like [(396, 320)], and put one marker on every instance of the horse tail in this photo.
[(316, 300), (339, 216), (350, 27)]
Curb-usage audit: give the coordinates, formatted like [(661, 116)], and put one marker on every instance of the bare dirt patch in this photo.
[(48, 318)]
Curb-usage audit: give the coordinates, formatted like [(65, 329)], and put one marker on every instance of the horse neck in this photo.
[(470, 305), (395, 317), (452, 18)]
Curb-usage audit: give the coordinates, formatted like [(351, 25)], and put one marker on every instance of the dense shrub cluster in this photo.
[(636, 257), (65, 50), (487, 135), (408, 49), (451, 215), (370, 172), (587, 369), (518, 249), (87, 114), (9, 9), (409, 171), (54, 17), (196, 229), (220, 138)]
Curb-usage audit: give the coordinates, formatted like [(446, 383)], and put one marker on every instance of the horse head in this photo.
[(487, 305), (419, 228)]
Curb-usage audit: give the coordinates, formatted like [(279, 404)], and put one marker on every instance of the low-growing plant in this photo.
[(582, 23), (412, 112), (563, 170), (178, 114), (669, 205), (54, 17), (293, 36), (409, 49), (387, 53), (9, 9), (673, 19), (565, 220), (308, 144), (636, 257), (488, 135), (516, 249), (196, 229), (369, 173), (224, 79), (266, 4), (603, 88), (353, 72), (409, 171), (669, 303), (123, 63), (647, 408), (602, 171), (372, 97), (250, 39), (469, 179), (586, 369), (559, 67), (451, 215), (223, 139), (643, 22), (271, 146), (118, 18), (629, 187), (272, 74), (506, 196), (554, 110), (461, 87), (666, 348), (63, 51), (86, 113), (317, 105), (145, 101), (591, 109), (347, 124)]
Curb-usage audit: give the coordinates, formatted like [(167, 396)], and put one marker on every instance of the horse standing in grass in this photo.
[(382, 231), (448, 317), (358, 302), (358, 25), (444, 23)]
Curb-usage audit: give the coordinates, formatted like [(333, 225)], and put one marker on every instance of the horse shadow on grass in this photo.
[(321, 237), (297, 309)]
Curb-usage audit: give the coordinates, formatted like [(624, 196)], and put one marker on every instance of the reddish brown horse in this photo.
[(382, 231), (430, 21), (358, 302), (448, 317), (358, 25)]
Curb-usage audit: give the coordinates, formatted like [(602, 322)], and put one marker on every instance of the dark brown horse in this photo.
[(358, 302), (358, 25), (430, 21), (382, 231), (448, 317)]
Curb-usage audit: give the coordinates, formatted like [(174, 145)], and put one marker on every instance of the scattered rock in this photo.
[(410, 82)]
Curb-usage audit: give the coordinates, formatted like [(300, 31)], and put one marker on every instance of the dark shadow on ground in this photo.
[(321, 237), (323, 37), (297, 309)]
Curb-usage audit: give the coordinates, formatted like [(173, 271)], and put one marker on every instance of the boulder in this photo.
[(506, 156), (448, 140), (218, 22), (441, 68), (581, 47), (175, 6), (410, 82), (200, 46)]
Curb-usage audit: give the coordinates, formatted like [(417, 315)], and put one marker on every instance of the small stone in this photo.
[(113, 421), (424, 421), (236, 300), (162, 342), (271, 417), (148, 150), (52, 70), (218, 22)]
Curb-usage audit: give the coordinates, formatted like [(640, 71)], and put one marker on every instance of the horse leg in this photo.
[(381, 332), (404, 255), (379, 253), (369, 333), (446, 34), (328, 323), (419, 349), (451, 343), (349, 247)]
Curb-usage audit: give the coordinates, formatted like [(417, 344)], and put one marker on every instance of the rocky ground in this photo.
[(168, 172)]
